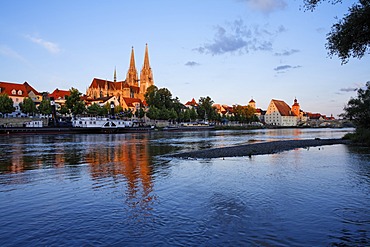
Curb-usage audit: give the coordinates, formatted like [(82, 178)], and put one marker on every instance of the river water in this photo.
[(119, 190)]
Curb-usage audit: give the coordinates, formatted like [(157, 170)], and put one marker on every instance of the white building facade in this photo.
[(280, 114)]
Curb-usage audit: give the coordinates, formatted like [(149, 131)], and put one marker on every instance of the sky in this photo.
[(229, 50)]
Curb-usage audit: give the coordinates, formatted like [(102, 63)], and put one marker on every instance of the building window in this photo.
[(20, 92), (14, 92)]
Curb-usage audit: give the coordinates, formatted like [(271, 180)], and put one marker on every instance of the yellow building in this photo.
[(131, 89)]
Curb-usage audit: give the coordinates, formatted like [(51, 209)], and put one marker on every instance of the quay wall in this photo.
[(19, 121)]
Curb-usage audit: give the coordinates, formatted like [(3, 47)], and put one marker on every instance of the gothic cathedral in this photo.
[(131, 88)]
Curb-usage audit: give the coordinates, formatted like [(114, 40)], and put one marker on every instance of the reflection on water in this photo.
[(118, 190)]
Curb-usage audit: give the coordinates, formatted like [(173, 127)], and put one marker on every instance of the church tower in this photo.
[(295, 108), (146, 75), (252, 103), (132, 77)]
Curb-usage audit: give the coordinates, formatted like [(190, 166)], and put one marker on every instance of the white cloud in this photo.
[(236, 37), (348, 89), (286, 67), (287, 52), (192, 64), (49, 46), (10, 53)]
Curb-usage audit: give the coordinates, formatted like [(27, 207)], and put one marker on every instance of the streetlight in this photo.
[(112, 108)]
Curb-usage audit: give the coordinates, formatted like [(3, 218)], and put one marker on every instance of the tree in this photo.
[(118, 109), (151, 96), (358, 109), (127, 113), (6, 104), (74, 102), (96, 109), (140, 113), (350, 36), (153, 112), (186, 115), (159, 98), (163, 114), (45, 107), (205, 109), (193, 115), (176, 104), (244, 114), (165, 98), (172, 115), (63, 110), (28, 106)]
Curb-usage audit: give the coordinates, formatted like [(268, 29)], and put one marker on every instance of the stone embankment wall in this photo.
[(18, 122)]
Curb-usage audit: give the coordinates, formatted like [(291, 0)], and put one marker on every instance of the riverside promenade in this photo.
[(258, 148)]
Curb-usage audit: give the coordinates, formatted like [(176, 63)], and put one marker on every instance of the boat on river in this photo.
[(100, 124), (190, 127), (95, 125)]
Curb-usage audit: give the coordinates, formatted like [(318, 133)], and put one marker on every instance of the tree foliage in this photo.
[(74, 102), (161, 104), (153, 112), (28, 106), (6, 104), (159, 98), (350, 36), (96, 109), (244, 114), (45, 107), (358, 109), (140, 113), (205, 109)]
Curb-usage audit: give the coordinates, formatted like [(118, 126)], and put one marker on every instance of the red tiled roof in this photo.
[(8, 87), (100, 83), (30, 88), (313, 115), (60, 94), (192, 103), (130, 101), (283, 108)]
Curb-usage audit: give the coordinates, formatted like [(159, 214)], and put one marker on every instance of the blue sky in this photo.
[(230, 50)]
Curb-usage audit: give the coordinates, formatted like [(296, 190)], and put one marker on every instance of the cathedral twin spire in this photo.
[(132, 76), (146, 75)]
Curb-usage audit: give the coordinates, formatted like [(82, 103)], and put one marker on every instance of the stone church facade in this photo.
[(131, 89)]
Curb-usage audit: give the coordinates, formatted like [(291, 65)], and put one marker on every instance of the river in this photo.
[(120, 190)]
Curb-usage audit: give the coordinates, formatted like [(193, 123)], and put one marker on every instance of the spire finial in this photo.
[(132, 77), (115, 74), (146, 57)]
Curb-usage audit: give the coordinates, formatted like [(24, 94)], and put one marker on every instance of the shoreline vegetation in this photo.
[(257, 148)]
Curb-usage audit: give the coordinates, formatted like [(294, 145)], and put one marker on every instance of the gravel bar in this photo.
[(258, 148)]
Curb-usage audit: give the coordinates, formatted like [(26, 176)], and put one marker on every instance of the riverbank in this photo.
[(258, 148)]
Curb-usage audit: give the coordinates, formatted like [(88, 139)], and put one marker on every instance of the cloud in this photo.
[(49, 46), (192, 64), (348, 89), (287, 52), (320, 30), (236, 37), (265, 6), (10, 53), (283, 68)]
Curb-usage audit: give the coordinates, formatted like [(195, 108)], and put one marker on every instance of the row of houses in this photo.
[(278, 113), (18, 92)]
